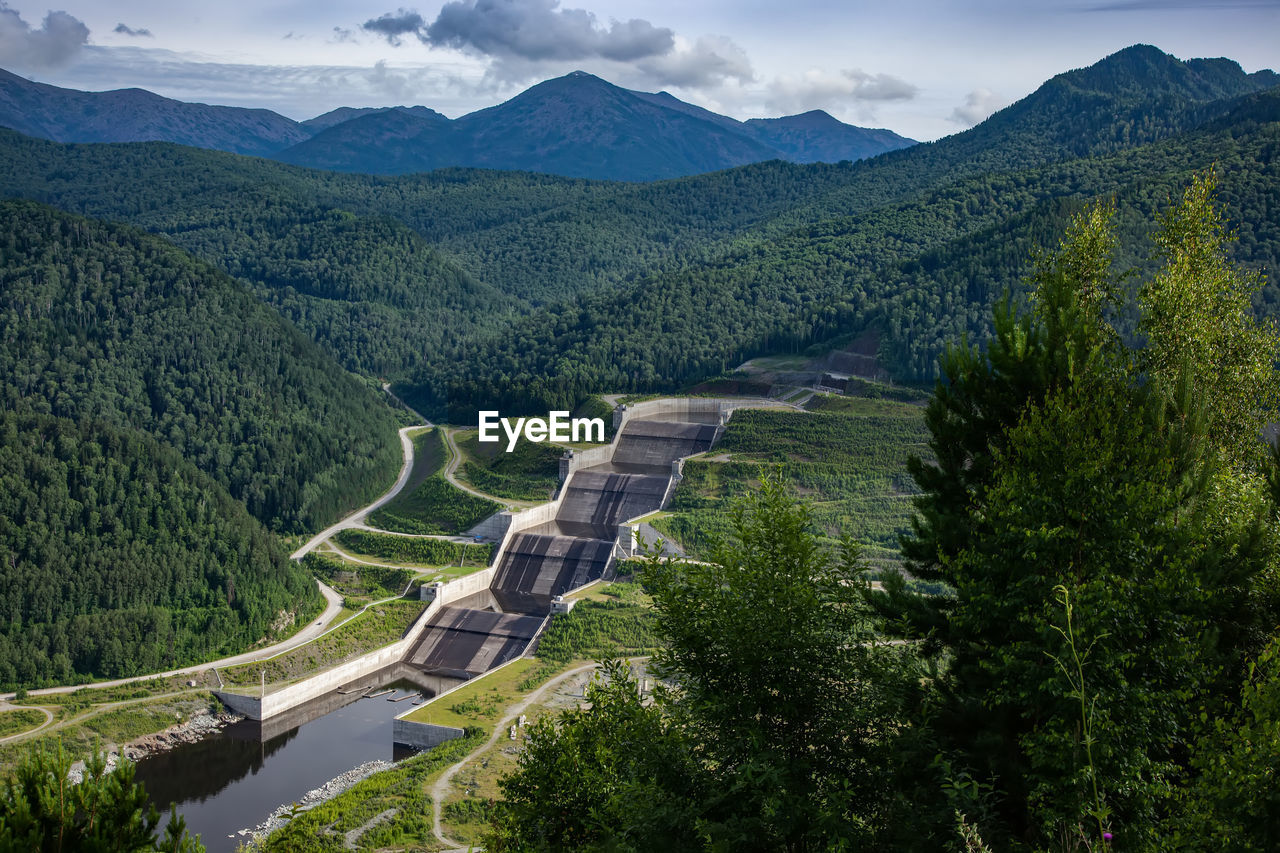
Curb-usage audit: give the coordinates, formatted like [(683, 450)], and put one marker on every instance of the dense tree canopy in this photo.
[(1104, 675), (103, 322), (42, 809)]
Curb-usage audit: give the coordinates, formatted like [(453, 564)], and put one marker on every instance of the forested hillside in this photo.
[(105, 323), (883, 269), (473, 288), (118, 557), (152, 407)]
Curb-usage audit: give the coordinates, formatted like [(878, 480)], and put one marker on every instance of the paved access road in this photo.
[(306, 635), (357, 518)]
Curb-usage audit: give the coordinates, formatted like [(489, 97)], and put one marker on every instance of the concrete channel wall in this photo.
[(427, 735), (315, 686)]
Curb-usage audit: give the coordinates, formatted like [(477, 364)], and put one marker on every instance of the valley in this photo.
[(243, 366)]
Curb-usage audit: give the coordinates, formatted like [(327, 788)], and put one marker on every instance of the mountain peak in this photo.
[(812, 120), (1143, 70)]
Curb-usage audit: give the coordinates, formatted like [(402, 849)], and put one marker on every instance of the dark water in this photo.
[(234, 779)]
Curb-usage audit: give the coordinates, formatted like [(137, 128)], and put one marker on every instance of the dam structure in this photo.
[(573, 541), (491, 617)]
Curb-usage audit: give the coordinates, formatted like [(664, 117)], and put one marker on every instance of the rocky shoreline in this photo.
[(311, 799), (197, 728)]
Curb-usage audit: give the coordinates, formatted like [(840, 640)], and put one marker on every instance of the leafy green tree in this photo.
[(1066, 461), (782, 683), (41, 809), (1234, 802), (779, 728), (1199, 320), (615, 775)]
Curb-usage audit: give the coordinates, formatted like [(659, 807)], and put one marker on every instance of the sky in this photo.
[(923, 68)]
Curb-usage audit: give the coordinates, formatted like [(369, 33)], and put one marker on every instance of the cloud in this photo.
[(708, 61), (126, 30), (341, 35), (529, 30), (401, 86), (817, 89), (539, 30), (54, 45), (977, 105), (393, 25), (299, 91)]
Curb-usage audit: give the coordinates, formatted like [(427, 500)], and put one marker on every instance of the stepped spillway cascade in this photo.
[(596, 502), (538, 567), (463, 643), (574, 549), (493, 616)]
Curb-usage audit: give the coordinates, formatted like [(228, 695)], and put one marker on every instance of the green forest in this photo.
[(104, 322), (158, 422), (1102, 675), (118, 557), (471, 289)]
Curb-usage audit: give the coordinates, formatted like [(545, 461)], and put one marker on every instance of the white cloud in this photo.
[(819, 89), (54, 45), (977, 105)]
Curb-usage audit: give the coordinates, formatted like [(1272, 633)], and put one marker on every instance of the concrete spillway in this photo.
[(538, 567), (463, 643), (570, 551), (492, 616), (596, 501), (649, 447), (575, 548)]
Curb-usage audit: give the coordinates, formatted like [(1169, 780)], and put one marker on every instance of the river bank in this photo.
[(193, 730), (335, 786)]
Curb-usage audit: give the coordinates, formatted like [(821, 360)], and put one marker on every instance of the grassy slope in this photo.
[(847, 459), (374, 629), (530, 472), (428, 503)]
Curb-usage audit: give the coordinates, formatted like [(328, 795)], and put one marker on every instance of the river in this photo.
[(234, 779)]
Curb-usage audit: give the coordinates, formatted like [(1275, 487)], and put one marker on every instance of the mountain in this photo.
[(532, 290), (914, 274), (136, 115), (816, 137), (581, 126), (341, 114), (150, 408), (113, 325)]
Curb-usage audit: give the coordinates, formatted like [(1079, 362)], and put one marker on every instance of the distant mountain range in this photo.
[(136, 115), (577, 126)]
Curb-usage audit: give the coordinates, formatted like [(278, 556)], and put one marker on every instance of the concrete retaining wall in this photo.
[(286, 698), (681, 407), (465, 586), (422, 735), (494, 527)]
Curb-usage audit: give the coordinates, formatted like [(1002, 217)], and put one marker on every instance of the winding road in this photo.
[(357, 518), (48, 718), (451, 468), (306, 635), (310, 632)]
